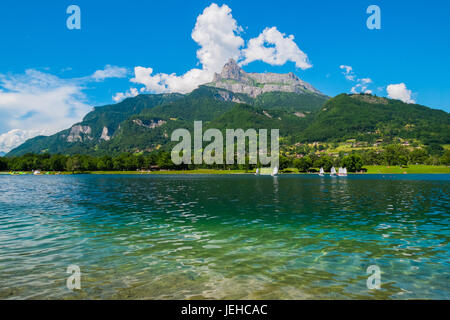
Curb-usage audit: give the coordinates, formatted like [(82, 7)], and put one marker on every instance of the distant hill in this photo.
[(366, 117)]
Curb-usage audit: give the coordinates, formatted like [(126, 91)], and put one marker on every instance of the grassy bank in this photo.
[(163, 172), (197, 171), (413, 169)]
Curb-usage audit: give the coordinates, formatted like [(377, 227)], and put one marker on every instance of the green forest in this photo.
[(391, 155), (143, 124), (350, 130)]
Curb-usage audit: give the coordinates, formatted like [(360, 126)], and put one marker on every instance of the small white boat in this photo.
[(333, 172), (322, 172), (342, 172), (275, 172), (37, 172)]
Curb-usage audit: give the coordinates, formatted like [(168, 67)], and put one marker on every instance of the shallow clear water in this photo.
[(225, 237)]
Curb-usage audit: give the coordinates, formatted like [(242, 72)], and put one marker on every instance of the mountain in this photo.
[(144, 123), (366, 118), (2, 153), (237, 99)]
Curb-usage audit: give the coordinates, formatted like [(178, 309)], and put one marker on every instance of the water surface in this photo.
[(224, 237)]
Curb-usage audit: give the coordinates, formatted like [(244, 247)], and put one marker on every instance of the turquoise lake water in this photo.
[(225, 237)]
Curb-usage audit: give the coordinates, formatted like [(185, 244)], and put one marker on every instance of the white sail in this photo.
[(322, 171), (333, 171), (275, 171), (257, 171), (344, 171)]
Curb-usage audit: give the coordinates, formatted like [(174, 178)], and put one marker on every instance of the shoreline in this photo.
[(413, 169)]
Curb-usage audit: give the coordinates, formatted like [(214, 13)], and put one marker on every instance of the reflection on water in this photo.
[(224, 237)]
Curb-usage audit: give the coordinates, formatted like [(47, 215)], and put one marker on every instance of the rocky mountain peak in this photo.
[(231, 70), (234, 79)]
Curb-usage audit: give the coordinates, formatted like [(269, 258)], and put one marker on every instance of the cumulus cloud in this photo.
[(361, 85), (218, 35), (109, 72), (37, 103), (16, 137), (348, 72), (275, 48), (400, 92), (133, 92)]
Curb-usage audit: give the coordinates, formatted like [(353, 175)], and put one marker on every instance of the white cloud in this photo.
[(348, 72), (347, 69), (395, 91), (218, 35), (400, 92), (275, 48), (360, 88), (110, 72), (361, 85), (365, 80), (38, 103), (16, 137), (133, 92)]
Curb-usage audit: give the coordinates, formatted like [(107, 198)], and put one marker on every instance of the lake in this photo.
[(225, 236)]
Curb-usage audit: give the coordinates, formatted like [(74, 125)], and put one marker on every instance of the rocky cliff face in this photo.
[(79, 133), (234, 79)]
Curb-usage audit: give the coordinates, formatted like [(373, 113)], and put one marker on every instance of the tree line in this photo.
[(391, 155)]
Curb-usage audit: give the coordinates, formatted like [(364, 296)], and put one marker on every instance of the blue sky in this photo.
[(412, 48)]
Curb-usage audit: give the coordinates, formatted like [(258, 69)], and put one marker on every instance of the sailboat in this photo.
[(275, 172), (342, 172), (321, 172), (257, 172), (333, 172)]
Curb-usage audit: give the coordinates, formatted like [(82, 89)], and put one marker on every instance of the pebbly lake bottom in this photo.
[(225, 237)]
